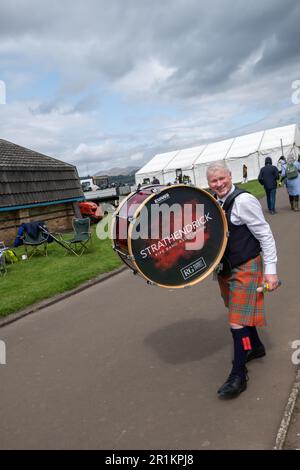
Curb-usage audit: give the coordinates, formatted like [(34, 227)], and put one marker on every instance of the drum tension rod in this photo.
[(123, 254)]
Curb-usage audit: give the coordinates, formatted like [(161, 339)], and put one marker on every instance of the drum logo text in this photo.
[(164, 197), (192, 234), (193, 268)]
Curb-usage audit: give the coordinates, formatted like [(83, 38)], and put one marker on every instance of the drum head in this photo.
[(178, 236)]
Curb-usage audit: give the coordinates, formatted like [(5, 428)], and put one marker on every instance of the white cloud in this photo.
[(136, 157), (144, 77), (99, 151), (246, 67), (134, 78)]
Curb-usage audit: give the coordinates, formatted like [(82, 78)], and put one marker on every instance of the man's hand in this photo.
[(272, 281)]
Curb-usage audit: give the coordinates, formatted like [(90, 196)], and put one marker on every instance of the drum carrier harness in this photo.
[(242, 245)]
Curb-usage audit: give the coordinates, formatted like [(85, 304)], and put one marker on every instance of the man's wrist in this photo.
[(270, 268)]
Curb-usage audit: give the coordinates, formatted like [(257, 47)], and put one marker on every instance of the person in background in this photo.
[(155, 180), (245, 174), (281, 161), (268, 177), (292, 185), (243, 272), (186, 179)]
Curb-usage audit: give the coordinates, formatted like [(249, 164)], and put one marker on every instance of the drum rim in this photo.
[(219, 257), (116, 212)]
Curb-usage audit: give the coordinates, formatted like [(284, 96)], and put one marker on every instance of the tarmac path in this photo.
[(123, 365)]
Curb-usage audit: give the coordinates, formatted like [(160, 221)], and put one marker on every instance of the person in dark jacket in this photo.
[(268, 177), (155, 180)]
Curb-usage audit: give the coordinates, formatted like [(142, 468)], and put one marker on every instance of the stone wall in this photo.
[(58, 218)]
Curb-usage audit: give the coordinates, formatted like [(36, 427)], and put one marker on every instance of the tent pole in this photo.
[(258, 162), (258, 149), (195, 182), (281, 147)]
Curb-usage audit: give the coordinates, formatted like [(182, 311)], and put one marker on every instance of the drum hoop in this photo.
[(116, 212), (218, 259)]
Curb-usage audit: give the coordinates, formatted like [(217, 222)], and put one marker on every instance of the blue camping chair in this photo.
[(81, 237), (35, 240)]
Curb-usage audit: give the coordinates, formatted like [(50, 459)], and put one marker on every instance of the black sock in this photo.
[(241, 343), (254, 338)]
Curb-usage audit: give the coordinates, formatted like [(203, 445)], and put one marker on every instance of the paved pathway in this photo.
[(123, 365)]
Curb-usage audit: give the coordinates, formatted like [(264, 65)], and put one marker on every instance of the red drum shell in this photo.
[(122, 217)]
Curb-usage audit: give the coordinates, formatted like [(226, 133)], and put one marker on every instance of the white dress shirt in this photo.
[(247, 210)]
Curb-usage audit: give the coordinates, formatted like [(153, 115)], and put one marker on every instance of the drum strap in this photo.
[(224, 267), (231, 198)]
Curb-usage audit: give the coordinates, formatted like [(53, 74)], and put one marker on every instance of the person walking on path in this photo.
[(268, 177), (290, 175), (245, 174), (280, 163), (242, 272)]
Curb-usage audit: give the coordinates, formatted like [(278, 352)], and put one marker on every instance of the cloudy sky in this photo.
[(105, 83)]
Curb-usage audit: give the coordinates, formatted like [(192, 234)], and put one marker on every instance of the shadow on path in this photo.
[(192, 340)]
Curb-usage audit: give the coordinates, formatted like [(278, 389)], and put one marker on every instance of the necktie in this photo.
[(220, 202)]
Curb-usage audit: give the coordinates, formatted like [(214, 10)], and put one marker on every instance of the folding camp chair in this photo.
[(35, 241), (82, 235)]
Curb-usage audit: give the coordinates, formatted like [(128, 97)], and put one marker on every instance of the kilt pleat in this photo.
[(246, 306)]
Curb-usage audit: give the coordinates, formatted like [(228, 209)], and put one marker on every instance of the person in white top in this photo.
[(244, 270)]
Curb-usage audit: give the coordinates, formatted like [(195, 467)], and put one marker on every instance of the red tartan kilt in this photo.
[(246, 306)]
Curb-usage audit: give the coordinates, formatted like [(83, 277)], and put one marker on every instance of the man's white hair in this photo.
[(216, 166)]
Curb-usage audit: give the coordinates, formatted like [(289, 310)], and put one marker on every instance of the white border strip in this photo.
[(285, 422)]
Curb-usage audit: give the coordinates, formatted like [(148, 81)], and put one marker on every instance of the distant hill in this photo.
[(117, 171)]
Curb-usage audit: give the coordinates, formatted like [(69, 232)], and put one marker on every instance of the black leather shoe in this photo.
[(233, 386), (255, 353)]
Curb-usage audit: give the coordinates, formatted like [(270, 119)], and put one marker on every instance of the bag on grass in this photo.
[(10, 256)]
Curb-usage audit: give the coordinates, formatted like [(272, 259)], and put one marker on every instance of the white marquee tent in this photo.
[(251, 149)]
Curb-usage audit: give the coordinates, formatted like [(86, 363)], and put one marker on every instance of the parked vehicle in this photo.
[(86, 186), (91, 210)]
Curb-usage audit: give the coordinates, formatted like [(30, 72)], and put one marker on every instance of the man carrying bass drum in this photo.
[(243, 271)]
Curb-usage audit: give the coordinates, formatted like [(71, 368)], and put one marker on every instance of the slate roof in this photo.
[(28, 178)]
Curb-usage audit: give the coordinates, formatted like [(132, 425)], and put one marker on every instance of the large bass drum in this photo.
[(173, 236)]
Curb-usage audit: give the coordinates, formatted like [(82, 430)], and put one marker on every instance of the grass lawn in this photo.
[(39, 278), (254, 187)]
